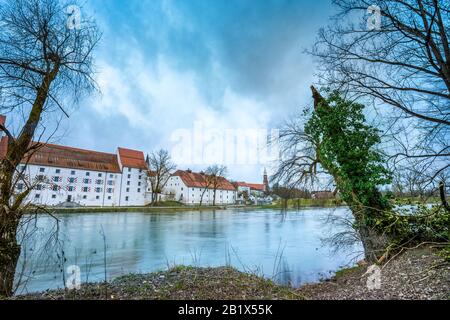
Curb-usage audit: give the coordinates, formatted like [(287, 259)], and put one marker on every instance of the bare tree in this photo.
[(207, 185), (395, 53), (285, 193), (45, 62), (160, 167), (214, 176)]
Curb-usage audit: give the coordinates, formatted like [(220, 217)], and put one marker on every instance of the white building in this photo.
[(77, 177), (189, 187)]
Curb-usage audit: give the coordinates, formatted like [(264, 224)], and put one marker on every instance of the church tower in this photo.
[(266, 181)]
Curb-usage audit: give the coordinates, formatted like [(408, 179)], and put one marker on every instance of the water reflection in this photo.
[(285, 247)]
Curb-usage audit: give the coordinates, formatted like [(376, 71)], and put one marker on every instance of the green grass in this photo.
[(346, 271), (303, 203), (177, 207), (416, 200)]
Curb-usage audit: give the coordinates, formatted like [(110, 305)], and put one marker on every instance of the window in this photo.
[(129, 176), (70, 188), (41, 169), (99, 181), (110, 183), (86, 180), (53, 196), (54, 187), (128, 183), (56, 179), (111, 176), (84, 197), (37, 196), (129, 169), (139, 190), (110, 190), (72, 172), (140, 170), (72, 180), (20, 186), (128, 189), (58, 170), (139, 184), (98, 190), (140, 177), (99, 175), (109, 197), (40, 177), (39, 187), (97, 197), (126, 198), (85, 189), (88, 174)]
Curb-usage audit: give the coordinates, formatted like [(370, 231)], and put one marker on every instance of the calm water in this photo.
[(286, 247)]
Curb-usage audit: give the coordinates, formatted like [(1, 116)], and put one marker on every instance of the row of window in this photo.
[(38, 196), (73, 172), (85, 180), (54, 187)]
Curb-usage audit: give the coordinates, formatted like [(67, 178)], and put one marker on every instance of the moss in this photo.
[(346, 271)]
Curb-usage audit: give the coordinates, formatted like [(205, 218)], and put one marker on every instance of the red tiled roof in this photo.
[(132, 158), (198, 180), (254, 186), (67, 157)]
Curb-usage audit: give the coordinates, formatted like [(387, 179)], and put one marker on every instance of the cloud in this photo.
[(167, 65)]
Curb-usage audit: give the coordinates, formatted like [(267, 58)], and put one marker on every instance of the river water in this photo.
[(287, 247)]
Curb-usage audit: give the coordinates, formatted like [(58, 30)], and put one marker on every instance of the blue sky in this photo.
[(167, 65)]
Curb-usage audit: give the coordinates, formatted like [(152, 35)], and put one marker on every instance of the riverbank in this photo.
[(146, 209), (177, 207), (417, 274)]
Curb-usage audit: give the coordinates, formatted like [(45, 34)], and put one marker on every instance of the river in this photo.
[(287, 247)]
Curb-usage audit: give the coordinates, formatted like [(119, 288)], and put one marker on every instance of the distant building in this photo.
[(188, 187), (253, 190), (72, 176), (322, 194)]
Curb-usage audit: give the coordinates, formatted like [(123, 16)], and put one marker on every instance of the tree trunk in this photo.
[(374, 244), (9, 253)]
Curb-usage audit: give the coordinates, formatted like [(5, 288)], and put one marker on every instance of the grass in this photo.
[(178, 283), (303, 203), (168, 206), (346, 271), (416, 200)]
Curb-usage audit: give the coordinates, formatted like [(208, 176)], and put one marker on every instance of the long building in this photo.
[(191, 188), (71, 176)]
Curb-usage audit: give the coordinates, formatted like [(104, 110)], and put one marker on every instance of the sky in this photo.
[(198, 77)]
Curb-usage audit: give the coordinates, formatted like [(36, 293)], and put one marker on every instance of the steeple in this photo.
[(266, 181)]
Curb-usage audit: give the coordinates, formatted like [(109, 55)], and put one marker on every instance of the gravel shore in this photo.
[(416, 274)]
